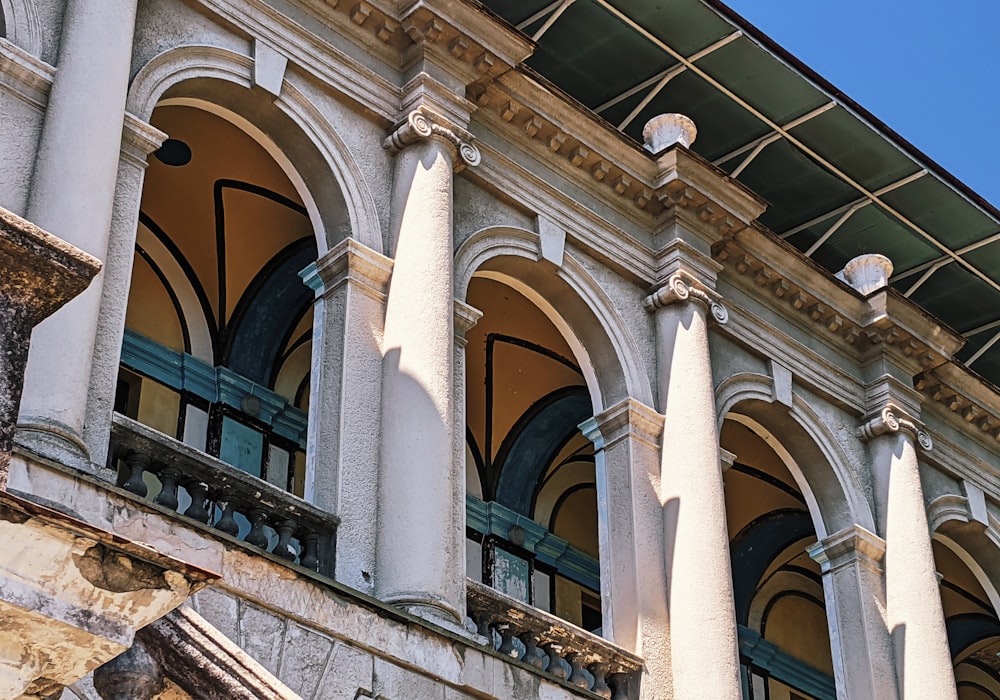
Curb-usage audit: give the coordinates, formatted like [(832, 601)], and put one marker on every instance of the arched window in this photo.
[(532, 503), (217, 346)]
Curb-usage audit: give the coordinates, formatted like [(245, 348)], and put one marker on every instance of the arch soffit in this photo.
[(183, 63), (974, 548), (819, 466), (23, 27), (606, 349)]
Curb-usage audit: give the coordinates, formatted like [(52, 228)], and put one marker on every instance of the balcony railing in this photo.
[(216, 495), (552, 646)]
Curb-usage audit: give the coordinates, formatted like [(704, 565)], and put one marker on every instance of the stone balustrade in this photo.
[(205, 489), (554, 647)]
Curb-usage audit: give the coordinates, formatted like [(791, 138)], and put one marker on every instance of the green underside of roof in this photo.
[(815, 177)]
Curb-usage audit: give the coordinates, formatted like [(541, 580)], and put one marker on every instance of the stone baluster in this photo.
[(198, 510), (421, 513), (257, 537), (73, 198), (309, 557), (599, 671), (532, 654), (506, 640), (700, 604), (227, 521), (557, 665), (577, 676), (283, 547), (133, 675), (137, 464), (913, 598), (167, 497), (619, 683)]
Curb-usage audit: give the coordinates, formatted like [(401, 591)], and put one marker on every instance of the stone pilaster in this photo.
[(854, 588), (139, 139), (626, 438), (913, 600), (700, 605), (421, 510), (344, 429), (71, 196)]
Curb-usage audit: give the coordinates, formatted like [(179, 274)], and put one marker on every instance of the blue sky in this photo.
[(928, 69)]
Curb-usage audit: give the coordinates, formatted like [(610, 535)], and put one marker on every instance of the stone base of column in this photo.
[(55, 442), (435, 610)]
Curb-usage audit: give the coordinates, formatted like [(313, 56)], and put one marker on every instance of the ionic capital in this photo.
[(892, 419), (422, 124), (681, 286)]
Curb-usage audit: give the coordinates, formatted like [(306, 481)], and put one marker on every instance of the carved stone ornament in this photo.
[(892, 419), (681, 286), (423, 124)]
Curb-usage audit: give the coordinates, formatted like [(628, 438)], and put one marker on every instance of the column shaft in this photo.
[(71, 196), (421, 554), (913, 598), (703, 642)]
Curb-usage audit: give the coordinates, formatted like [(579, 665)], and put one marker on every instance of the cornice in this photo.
[(971, 402), (593, 155), (799, 289), (29, 77)]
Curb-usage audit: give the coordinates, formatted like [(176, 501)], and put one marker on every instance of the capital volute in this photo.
[(683, 287), (893, 419), (422, 124)]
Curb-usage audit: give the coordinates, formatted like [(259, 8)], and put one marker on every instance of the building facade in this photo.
[(436, 354)]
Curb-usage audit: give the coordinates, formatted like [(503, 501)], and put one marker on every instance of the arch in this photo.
[(193, 302), (808, 449), (531, 446), (582, 312), (219, 81), (21, 26), (975, 548)]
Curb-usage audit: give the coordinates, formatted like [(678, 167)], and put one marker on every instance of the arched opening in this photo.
[(532, 492), (972, 624), (780, 604), (217, 347)]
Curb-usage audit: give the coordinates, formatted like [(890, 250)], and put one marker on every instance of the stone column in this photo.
[(71, 196), (421, 510), (913, 599), (854, 588), (633, 574), (700, 605), (344, 435)]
